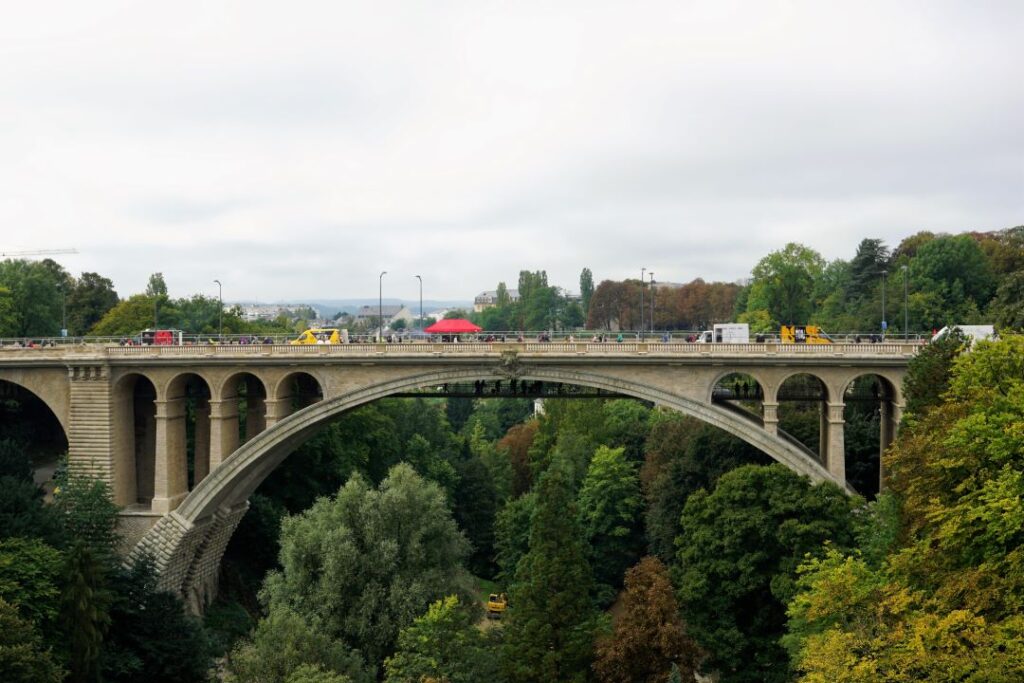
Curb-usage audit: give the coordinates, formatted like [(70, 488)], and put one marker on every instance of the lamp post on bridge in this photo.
[(884, 324), (380, 306), (906, 307), (652, 302), (421, 301), (63, 311), (643, 271), (220, 312)]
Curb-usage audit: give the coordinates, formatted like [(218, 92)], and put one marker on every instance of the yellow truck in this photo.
[(497, 603), (322, 335), (803, 334)]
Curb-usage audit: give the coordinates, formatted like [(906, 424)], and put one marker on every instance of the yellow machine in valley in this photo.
[(497, 603), (324, 335), (803, 334)]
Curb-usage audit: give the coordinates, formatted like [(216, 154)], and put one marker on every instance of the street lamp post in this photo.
[(643, 271), (421, 301), (652, 302), (220, 312), (63, 311), (380, 306), (906, 306), (884, 325)]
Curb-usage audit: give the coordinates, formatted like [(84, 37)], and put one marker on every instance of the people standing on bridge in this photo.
[(618, 340)]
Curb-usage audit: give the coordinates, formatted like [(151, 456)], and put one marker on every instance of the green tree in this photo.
[(23, 657), (586, 289), (512, 535), (23, 514), (35, 299), (128, 317), (609, 507), (649, 641), (89, 515), (1007, 308), (283, 644), (88, 301), (314, 673), (929, 371), (866, 267), (367, 562), (443, 644), (30, 576), (738, 553), (475, 506), (783, 282), (551, 621), (156, 286), (151, 637), (8, 313), (84, 617), (955, 270)]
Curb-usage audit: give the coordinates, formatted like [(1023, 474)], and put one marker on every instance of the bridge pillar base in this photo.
[(165, 505), (835, 454), (771, 418)]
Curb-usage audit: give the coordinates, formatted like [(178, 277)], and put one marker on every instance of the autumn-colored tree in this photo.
[(516, 444), (649, 639)]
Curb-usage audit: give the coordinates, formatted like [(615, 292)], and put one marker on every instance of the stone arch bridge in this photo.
[(184, 434)]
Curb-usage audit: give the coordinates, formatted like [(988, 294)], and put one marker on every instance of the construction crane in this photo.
[(37, 252)]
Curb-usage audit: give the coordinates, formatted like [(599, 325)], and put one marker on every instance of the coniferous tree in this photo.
[(551, 619), (85, 612)]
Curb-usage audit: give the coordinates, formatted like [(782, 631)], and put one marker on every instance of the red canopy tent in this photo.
[(452, 326)]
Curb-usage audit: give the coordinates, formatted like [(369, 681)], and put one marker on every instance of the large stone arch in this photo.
[(187, 543), (49, 385)]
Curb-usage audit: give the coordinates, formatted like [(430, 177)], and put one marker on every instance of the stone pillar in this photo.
[(201, 459), (170, 485), (277, 409), (835, 459), (771, 417), (223, 430), (891, 414), (823, 432)]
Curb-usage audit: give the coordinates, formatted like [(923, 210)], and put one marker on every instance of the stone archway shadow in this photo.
[(187, 544)]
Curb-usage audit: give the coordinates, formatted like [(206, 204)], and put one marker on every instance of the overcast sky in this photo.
[(296, 149)]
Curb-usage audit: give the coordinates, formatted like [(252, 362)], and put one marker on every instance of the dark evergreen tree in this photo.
[(551, 620), (85, 613), (458, 411), (866, 268), (474, 511)]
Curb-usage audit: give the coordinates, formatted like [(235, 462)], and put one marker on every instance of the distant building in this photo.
[(254, 312), (485, 300), (369, 315)]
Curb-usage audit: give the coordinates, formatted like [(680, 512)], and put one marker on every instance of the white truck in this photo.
[(726, 333)]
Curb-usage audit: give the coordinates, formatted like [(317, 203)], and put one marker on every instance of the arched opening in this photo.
[(741, 393), (294, 392), (250, 398), (32, 439), (135, 441), (868, 416), (188, 396), (803, 412)]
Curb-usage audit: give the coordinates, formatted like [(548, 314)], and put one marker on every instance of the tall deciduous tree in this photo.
[(738, 553), (783, 283), (367, 562), (649, 641), (551, 620), (443, 644), (586, 289), (609, 509)]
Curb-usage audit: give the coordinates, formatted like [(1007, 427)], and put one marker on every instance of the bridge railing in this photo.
[(494, 349)]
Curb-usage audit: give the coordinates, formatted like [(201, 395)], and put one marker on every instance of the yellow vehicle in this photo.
[(497, 603), (803, 334), (322, 335)]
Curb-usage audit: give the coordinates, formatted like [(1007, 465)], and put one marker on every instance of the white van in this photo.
[(726, 333)]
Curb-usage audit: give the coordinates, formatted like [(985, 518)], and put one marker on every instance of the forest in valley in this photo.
[(634, 544)]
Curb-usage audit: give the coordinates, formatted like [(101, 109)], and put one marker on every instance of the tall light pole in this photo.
[(652, 302), (884, 325), (906, 306), (642, 272), (421, 301), (220, 312), (63, 311), (380, 305)]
